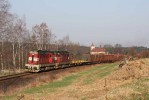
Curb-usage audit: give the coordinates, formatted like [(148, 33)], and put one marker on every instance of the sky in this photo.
[(124, 22)]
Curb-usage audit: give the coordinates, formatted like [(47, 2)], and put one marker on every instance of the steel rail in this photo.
[(14, 76)]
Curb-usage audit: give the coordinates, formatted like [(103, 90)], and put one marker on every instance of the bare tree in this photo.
[(4, 20), (132, 52), (20, 30), (37, 36), (42, 36), (67, 44), (13, 40), (64, 43), (118, 48)]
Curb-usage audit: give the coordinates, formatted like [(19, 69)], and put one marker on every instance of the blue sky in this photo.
[(86, 21)]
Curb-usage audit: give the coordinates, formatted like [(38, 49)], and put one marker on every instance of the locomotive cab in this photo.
[(33, 61)]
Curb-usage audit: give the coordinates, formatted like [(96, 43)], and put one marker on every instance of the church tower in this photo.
[(92, 47)]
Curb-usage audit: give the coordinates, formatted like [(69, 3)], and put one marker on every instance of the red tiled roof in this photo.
[(98, 50)]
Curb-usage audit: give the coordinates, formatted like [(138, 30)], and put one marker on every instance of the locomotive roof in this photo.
[(46, 51), (59, 51)]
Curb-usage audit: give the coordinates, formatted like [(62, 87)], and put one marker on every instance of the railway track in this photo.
[(2, 78), (14, 76)]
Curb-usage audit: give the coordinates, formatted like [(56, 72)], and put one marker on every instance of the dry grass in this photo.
[(132, 70), (105, 82)]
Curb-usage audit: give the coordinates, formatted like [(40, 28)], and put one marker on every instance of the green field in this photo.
[(86, 78)]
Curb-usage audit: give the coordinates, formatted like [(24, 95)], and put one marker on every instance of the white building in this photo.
[(97, 50)]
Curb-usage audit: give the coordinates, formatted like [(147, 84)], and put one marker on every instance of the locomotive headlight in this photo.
[(36, 59), (30, 58)]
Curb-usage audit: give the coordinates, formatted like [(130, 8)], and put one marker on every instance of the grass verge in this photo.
[(96, 72)]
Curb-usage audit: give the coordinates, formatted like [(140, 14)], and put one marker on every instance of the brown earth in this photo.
[(133, 70), (103, 89)]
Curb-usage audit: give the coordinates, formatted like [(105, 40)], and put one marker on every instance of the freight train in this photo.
[(47, 60)]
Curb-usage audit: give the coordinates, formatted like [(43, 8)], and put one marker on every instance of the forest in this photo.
[(16, 40)]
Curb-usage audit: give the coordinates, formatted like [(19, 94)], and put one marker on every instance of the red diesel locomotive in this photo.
[(45, 60)]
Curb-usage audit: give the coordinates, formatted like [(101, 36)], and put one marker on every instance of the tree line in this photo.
[(16, 40), (134, 51)]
